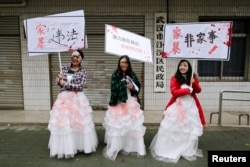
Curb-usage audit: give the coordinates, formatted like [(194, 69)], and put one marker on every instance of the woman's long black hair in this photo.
[(129, 69), (180, 77)]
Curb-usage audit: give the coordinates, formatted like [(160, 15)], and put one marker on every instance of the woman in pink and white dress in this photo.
[(183, 119), (71, 126), (124, 119)]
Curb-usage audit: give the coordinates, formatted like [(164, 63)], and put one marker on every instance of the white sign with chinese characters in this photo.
[(56, 33), (159, 62), (121, 42), (204, 40)]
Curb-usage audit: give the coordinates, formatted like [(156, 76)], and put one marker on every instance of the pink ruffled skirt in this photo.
[(124, 129), (71, 126), (178, 133)]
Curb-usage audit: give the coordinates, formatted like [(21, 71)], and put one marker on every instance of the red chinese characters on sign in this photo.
[(177, 33), (40, 29), (176, 48), (175, 44), (40, 42)]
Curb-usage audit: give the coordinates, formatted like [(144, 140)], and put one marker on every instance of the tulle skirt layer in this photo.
[(71, 126), (178, 133), (124, 130)]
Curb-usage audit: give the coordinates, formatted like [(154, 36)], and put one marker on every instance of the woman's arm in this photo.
[(196, 85), (118, 90), (176, 90), (137, 83)]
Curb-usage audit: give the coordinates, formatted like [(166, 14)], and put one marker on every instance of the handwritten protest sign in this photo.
[(56, 33), (208, 40), (121, 42)]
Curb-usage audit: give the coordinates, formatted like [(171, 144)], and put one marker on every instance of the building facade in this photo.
[(28, 82)]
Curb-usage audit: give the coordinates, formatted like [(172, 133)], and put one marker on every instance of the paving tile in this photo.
[(27, 146)]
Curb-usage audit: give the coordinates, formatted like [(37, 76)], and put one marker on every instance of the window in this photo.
[(236, 68)]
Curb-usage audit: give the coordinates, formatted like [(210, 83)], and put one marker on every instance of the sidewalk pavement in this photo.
[(27, 146), (24, 142), (152, 118)]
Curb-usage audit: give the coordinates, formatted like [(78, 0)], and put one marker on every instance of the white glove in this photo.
[(190, 89)]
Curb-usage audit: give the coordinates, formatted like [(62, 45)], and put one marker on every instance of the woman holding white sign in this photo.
[(183, 119), (71, 127), (124, 118)]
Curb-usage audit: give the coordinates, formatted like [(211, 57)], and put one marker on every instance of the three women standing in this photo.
[(73, 130)]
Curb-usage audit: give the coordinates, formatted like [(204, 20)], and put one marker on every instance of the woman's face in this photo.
[(123, 64), (76, 59), (183, 68)]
